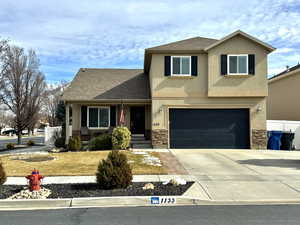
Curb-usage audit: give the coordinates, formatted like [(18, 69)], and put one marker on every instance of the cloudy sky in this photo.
[(69, 34)]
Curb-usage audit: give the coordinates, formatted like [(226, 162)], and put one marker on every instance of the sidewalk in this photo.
[(92, 179)]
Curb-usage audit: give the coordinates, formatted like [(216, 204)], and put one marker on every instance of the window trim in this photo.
[(97, 107), (228, 64), (181, 56)]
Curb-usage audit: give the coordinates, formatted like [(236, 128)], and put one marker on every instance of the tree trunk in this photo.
[(19, 137)]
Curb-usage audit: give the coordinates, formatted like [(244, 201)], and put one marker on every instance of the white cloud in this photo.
[(72, 33)]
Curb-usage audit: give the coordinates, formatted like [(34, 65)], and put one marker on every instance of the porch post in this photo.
[(67, 122)]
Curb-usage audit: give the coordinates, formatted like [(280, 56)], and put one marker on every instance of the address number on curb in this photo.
[(162, 200)]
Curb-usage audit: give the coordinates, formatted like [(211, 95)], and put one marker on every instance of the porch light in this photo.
[(258, 109)]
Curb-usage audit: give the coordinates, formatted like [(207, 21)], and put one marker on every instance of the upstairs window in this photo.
[(181, 65), (237, 64), (98, 117)]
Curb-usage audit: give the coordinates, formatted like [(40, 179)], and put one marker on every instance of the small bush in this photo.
[(2, 174), (60, 142), (121, 137), (10, 146), (102, 142), (74, 143), (114, 172), (30, 143)]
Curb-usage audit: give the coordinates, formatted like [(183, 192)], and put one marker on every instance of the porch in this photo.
[(88, 120)]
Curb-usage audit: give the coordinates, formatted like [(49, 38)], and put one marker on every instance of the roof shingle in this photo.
[(108, 84)]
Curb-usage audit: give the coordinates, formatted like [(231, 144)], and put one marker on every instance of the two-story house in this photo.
[(194, 93)]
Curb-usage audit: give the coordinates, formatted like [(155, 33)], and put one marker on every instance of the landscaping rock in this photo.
[(27, 194), (175, 181), (148, 186)]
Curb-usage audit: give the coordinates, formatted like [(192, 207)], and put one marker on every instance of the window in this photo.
[(181, 65), (237, 64), (98, 117)]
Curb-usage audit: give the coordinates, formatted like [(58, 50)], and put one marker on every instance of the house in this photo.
[(194, 93), (284, 94)]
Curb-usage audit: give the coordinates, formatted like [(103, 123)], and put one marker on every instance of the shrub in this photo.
[(121, 137), (60, 142), (74, 143), (10, 146), (114, 172), (30, 143), (102, 142), (2, 174)]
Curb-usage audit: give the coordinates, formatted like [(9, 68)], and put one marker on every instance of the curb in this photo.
[(124, 201), (35, 203)]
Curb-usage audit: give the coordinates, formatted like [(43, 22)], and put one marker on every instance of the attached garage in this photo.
[(209, 128)]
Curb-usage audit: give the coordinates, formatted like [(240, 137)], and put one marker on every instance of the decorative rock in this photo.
[(148, 186), (27, 194), (175, 181)]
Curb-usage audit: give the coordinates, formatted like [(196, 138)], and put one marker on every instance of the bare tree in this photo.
[(51, 102), (22, 86)]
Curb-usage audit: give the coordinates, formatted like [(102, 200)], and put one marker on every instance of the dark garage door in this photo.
[(209, 128)]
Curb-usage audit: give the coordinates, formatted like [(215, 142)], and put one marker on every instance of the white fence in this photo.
[(50, 133), (287, 126)]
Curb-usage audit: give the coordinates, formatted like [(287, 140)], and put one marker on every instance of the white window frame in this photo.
[(97, 107), (181, 56), (237, 73)]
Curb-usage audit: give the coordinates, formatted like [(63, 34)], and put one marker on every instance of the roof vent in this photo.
[(83, 69), (287, 68)]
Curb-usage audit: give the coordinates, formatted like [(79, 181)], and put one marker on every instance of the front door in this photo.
[(137, 119)]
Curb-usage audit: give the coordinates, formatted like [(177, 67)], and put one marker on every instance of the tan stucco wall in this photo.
[(162, 86), (283, 100), (233, 86)]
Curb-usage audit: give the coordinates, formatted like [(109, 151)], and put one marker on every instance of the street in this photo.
[(180, 215), (37, 140)]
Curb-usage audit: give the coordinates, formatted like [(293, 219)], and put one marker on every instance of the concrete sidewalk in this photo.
[(92, 179)]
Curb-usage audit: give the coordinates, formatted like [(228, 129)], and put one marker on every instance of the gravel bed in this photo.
[(91, 190)]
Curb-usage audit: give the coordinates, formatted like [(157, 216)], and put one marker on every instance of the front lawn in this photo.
[(72, 163)]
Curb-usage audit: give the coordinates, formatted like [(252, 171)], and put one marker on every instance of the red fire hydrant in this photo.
[(35, 180)]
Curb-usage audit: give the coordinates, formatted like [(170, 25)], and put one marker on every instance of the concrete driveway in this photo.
[(243, 175)]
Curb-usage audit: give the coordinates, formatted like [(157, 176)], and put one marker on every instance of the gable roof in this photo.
[(191, 44), (108, 84), (286, 73), (239, 32)]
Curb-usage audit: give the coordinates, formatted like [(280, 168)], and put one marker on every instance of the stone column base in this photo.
[(160, 138), (259, 139)]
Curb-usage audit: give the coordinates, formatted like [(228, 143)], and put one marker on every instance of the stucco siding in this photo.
[(283, 100), (168, 86), (234, 85)]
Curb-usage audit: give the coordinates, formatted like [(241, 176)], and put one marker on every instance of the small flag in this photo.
[(122, 117)]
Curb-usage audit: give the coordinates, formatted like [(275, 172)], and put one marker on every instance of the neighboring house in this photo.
[(195, 93), (284, 95)]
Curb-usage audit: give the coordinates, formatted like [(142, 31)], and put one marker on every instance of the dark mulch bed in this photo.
[(91, 190)]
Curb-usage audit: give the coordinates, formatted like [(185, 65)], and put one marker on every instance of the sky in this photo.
[(70, 34)]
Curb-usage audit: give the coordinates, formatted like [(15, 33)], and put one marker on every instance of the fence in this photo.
[(286, 126)]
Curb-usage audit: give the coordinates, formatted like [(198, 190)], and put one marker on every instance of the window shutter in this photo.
[(167, 65), (83, 116), (194, 65), (223, 64), (251, 64), (113, 116)]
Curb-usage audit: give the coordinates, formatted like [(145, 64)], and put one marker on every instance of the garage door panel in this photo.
[(209, 128)]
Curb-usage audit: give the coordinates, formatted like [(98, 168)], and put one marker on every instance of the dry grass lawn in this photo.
[(71, 163)]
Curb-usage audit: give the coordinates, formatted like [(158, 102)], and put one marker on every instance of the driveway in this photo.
[(244, 174)]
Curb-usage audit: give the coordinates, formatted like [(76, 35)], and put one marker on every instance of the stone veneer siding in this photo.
[(259, 139), (160, 138)]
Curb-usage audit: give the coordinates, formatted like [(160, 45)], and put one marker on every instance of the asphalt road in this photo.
[(194, 215), (3, 142)]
